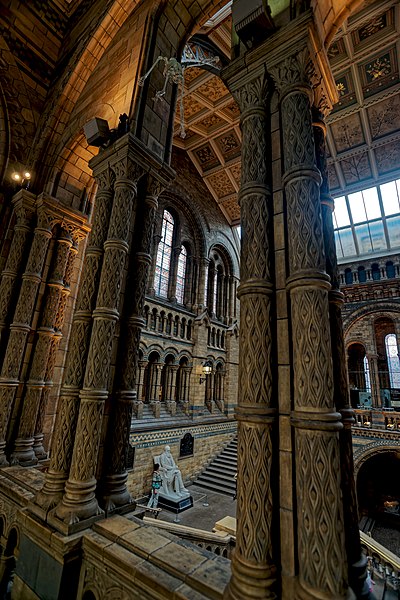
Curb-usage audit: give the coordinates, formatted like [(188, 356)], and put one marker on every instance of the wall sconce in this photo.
[(21, 178), (207, 368)]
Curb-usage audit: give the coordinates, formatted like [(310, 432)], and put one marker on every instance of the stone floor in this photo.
[(200, 516)]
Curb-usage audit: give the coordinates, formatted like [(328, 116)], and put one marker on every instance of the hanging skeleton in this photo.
[(174, 71)]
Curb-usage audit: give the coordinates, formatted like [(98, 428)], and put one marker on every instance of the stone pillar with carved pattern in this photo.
[(113, 485), (24, 212), (79, 500), (68, 404), (357, 562), (23, 452), (315, 420), (21, 326), (253, 563), (38, 447)]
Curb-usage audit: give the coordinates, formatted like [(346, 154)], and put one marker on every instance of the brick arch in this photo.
[(70, 85), (362, 455), (384, 309), (72, 181)]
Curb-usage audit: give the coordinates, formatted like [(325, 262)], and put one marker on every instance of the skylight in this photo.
[(368, 221)]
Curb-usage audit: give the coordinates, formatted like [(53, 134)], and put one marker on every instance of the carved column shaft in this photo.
[(253, 568), (79, 499), (23, 451), (203, 274), (68, 405), (319, 502), (20, 327), (115, 492), (356, 561), (375, 384), (14, 264), (38, 448)]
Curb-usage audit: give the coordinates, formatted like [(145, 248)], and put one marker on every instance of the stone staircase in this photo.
[(219, 475)]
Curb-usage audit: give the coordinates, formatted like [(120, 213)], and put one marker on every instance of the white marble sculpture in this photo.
[(172, 485)]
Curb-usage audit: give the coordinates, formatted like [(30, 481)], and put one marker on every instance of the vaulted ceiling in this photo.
[(363, 129)]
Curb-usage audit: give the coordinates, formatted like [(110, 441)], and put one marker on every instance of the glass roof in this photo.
[(368, 222)]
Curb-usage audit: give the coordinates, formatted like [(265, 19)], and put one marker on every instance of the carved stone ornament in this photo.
[(297, 69)]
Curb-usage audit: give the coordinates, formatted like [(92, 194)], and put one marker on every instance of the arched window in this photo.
[(164, 253), (367, 375), (390, 272), (376, 274), (348, 276), (181, 275), (362, 276), (393, 360)]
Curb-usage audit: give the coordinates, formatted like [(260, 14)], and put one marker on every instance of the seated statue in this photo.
[(172, 483)]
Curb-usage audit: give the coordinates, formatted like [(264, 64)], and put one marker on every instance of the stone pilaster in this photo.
[(201, 300), (253, 566), (24, 210), (114, 491), (21, 326), (23, 452), (314, 418), (357, 562), (68, 405), (79, 501)]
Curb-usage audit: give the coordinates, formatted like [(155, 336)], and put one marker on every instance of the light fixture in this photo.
[(207, 368), (22, 177)]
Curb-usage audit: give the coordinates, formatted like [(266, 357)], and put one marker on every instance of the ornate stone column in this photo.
[(316, 423), (23, 451), (68, 404), (38, 448), (79, 501), (357, 562), (21, 326), (142, 369), (253, 563), (374, 374), (24, 203), (113, 485)]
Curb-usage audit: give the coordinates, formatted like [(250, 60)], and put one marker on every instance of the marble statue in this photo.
[(172, 483)]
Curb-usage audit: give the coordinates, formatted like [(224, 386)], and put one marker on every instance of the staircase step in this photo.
[(220, 479), (216, 488)]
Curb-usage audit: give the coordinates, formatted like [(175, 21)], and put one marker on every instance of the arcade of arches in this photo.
[(173, 267)]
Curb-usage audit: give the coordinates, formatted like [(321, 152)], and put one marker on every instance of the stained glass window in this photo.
[(164, 254), (180, 279), (368, 221), (393, 360)]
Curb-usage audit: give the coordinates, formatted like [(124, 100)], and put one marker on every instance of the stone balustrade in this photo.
[(371, 271), (387, 418), (173, 323), (381, 562)]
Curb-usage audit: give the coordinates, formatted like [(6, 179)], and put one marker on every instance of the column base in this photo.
[(50, 495), (251, 582), (38, 447), (115, 493), (306, 593), (3, 459), (23, 453), (78, 504)]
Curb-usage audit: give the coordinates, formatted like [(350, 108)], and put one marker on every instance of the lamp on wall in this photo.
[(21, 177), (207, 368)]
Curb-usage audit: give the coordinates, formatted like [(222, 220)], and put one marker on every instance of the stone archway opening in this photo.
[(378, 493)]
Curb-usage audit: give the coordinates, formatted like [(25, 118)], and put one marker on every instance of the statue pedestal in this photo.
[(175, 504)]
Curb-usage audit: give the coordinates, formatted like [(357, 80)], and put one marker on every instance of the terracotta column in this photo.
[(357, 562), (201, 300), (68, 404), (142, 370), (79, 500), (322, 573), (114, 490), (23, 450), (38, 448), (174, 371), (21, 326), (253, 563), (24, 211)]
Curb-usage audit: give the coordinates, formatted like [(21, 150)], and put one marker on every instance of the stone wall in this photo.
[(208, 441)]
